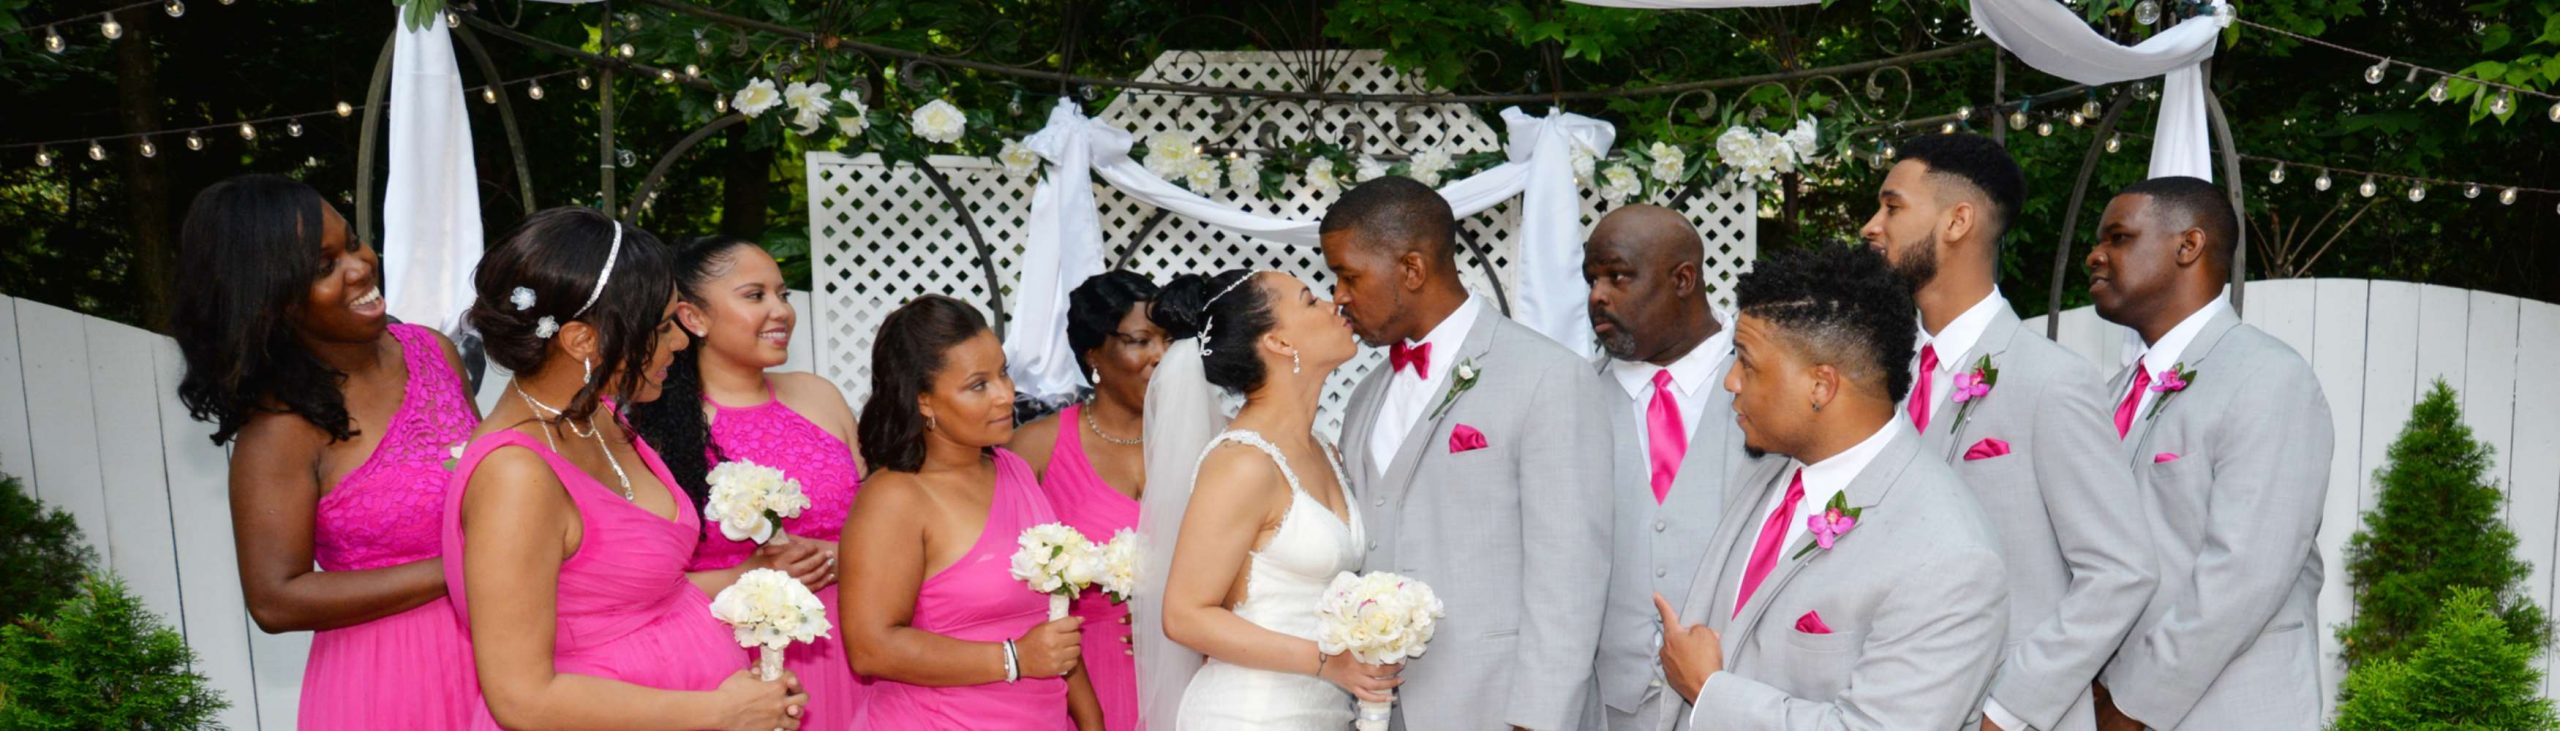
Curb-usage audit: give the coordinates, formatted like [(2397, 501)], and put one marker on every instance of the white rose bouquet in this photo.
[(1380, 619), (750, 500), (768, 610), (1118, 572), (1055, 560)]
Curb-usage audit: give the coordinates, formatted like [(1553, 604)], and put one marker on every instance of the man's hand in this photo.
[(2111, 718), (1987, 725), (1690, 653)]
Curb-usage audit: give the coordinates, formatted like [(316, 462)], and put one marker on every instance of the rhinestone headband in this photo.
[(1209, 324), (544, 328)]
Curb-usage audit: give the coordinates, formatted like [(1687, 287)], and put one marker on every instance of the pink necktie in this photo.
[(2124, 411), (1920, 386), (1773, 537), (1664, 437)]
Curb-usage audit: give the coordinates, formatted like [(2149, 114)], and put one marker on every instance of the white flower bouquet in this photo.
[(1056, 560), (750, 500), (1118, 572), (1378, 618), (768, 610)]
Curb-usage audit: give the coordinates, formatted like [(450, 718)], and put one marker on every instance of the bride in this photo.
[(1258, 517)]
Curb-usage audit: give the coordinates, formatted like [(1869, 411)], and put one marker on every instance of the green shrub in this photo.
[(2467, 671), (42, 551), (101, 661)]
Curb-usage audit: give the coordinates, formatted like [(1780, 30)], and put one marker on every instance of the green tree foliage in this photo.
[(43, 551), (2435, 527), (101, 662), (2467, 671)]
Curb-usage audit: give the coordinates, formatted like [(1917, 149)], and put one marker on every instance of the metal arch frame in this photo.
[(2234, 183)]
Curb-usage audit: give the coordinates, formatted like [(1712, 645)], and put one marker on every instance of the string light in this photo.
[(2436, 93), (111, 29), (534, 91), (2044, 129), (692, 71), (2018, 119), (147, 149), (2367, 189), (1947, 129), (667, 76), (2471, 191), (53, 43), (43, 159), (195, 141), (175, 9), (2507, 197), (2373, 73), (489, 94), (2498, 105), (720, 104), (344, 109), (2555, 111), (2417, 193), (293, 128), (584, 83), (2276, 176), (2078, 120), (624, 49), (248, 131), (2115, 142), (2322, 182), (97, 151), (1964, 112)]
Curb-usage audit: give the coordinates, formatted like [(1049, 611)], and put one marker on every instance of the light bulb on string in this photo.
[(248, 131), (452, 19), (2499, 104), (667, 76), (2044, 129), (2276, 176), (1964, 112), (43, 159), (53, 44), (1947, 129), (2373, 73), (533, 91), (1888, 152), (701, 45), (631, 22), (2417, 192), (175, 9), (624, 49), (2146, 12), (585, 83), (97, 151), (195, 141), (147, 149), (2555, 111), (692, 71), (2090, 109), (2322, 182), (2077, 119), (2018, 119), (111, 29), (2437, 92), (2115, 142), (2507, 197), (489, 94), (2367, 188), (720, 104), (345, 109), (293, 128), (2471, 191)]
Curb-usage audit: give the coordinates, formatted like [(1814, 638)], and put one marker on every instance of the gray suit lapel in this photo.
[(1408, 456), (1864, 491), (2193, 358), (1950, 442), (1739, 514)]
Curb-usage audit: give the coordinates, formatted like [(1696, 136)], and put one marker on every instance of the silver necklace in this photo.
[(1096, 426), (592, 433)]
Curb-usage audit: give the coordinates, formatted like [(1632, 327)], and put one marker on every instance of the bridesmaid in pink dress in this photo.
[(733, 306), (933, 615), (340, 427), (565, 541), (1092, 465)]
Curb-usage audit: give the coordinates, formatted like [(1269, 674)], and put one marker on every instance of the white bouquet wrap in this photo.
[(1058, 561), (1378, 618), (768, 610), (750, 500)]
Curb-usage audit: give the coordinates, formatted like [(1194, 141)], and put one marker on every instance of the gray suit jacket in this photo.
[(1659, 547), (2230, 640), (1915, 597), (1514, 537), (2062, 502)]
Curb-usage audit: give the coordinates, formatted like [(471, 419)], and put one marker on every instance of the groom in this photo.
[(1481, 457), (1853, 583)]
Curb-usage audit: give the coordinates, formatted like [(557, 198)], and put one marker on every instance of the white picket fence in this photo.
[(94, 427)]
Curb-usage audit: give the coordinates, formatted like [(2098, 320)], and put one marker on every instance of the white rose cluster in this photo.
[(1620, 183), (1377, 617), (1759, 156), (750, 500), (938, 121), (1426, 166), (1054, 559), (1118, 566), (1174, 155), (1321, 175), (769, 610), (1668, 162)]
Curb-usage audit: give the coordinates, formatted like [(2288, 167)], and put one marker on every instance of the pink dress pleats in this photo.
[(412, 669), (977, 599), (1090, 505)]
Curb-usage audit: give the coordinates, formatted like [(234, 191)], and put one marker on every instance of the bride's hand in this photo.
[(1364, 681)]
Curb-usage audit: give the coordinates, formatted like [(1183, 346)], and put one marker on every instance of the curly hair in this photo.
[(1234, 321), (1095, 307), (247, 255), (673, 423), (1843, 306)]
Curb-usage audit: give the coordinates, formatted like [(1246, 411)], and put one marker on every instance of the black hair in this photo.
[(247, 255), (1841, 302), (1976, 161), (1234, 322), (558, 255), (1397, 214), (1095, 307), (906, 354), (673, 424), (2201, 204)]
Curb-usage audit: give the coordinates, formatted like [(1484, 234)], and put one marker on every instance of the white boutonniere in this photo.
[(1466, 374)]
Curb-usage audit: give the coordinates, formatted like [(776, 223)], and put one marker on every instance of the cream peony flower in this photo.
[(1202, 175), (938, 121), (1620, 183), (1804, 141), (1054, 559), (809, 104), (1668, 162), (768, 610), (1320, 175), (1119, 566), (1427, 165), (853, 125), (1378, 618), (757, 97), (1582, 162), (1019, 158), (1170, 154), (749, 500), (1369, 169), (1774, 148), (1245, 172)]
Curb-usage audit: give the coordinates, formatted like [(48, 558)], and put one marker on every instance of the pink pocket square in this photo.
[(2164, 458), (1811, 623), (1986, 449), (1465, 439)]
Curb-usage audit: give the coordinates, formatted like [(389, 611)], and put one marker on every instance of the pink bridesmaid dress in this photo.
[(1090, 505), (625, 610), (411, 669), (977, 599), (775, 436)]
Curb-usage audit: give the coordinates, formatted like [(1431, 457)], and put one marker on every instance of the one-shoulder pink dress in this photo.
[(625, 609), (774, 435), (1091, 506), (412, 669), (977, 599)]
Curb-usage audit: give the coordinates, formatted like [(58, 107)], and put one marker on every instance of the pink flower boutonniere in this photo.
[(1971, 386), (2169, 382), (1828, 526)]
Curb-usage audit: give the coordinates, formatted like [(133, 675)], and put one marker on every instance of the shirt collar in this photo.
[(1962, 333), (1830, 476), (1689, 374), (1446, 337), (2173, 346)]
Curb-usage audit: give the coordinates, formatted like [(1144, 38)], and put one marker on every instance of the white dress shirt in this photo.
[(1952, 342), (1691, 377), (1822, 480), (1408, 398), (2172, 348)]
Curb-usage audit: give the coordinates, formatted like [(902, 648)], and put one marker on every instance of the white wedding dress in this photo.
[(1283, 582)]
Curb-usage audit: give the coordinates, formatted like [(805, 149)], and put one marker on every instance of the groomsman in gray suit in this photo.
[(1481, 454), (1676, 441), (1854, 584), (2228, 434), (2024, 422)]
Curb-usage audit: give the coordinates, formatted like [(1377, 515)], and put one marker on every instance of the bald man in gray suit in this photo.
[(2033, 444), (2229, 436)]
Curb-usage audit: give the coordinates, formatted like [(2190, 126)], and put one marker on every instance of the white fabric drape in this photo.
[(431, 208), (1063, 245), (2050, 37)]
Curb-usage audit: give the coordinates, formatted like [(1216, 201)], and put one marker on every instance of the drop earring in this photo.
[(932, 425), (1293, 362), (590, 368)]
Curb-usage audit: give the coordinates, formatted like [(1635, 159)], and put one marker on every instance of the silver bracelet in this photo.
[(1012, 664)]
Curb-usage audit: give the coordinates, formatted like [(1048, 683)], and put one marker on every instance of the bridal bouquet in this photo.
[(768, 610), (1380, 619), (1117, 571), (750, 500), (1056, 560)]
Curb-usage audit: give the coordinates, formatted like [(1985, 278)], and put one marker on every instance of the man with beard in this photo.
[(1481, 457), (2229, 436), (1852, 584), (1676, 441), (2024, 423)]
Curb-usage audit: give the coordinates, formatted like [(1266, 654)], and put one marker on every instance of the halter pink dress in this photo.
[(411, 669), (625, 609), (775, 436), (1090, 505), (977, 599)]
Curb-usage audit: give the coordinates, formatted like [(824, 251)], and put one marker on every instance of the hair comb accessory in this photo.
[(1210, 324), (522, 298)]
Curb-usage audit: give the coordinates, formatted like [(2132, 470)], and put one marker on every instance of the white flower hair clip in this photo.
[(522, 298), (545, 327)]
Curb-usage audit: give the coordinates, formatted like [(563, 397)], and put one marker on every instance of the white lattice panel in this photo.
[(881, 235)]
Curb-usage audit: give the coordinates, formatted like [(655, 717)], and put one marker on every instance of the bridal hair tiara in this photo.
[(1209, 323), (544, 328)]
